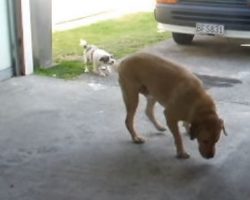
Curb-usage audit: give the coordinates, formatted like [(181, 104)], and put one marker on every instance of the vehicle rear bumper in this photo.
[(183, 18), (192, 30)]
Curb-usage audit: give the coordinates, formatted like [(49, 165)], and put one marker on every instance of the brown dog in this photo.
[(181, 94)]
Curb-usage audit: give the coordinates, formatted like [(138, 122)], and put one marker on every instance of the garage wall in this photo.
[(6, 68), (41, 23)]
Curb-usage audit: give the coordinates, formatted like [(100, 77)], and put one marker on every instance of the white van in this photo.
[(186, 18)]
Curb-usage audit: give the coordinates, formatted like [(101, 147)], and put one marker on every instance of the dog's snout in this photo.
[(207, 153), (209, 156)]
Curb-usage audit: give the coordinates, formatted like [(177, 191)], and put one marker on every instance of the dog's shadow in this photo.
[(156, 134), (148, 162)]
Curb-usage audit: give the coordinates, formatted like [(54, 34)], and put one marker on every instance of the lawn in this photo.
[(121, 37)]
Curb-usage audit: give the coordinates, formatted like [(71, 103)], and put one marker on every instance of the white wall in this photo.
[(5, 54)]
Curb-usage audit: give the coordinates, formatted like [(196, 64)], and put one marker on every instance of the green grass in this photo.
[(64, 70), (120, 37)]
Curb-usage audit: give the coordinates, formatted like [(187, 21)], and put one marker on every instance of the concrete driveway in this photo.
[(67, 139), (85, 12)]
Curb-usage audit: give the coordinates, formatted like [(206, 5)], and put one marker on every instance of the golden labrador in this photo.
[(181, 94)]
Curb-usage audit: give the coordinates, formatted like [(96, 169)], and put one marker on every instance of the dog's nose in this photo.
[(209, 156), (207, 153)]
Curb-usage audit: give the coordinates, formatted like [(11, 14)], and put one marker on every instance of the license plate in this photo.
[(214, 29)]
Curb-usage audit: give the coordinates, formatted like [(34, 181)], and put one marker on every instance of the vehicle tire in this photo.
[(182, 38)]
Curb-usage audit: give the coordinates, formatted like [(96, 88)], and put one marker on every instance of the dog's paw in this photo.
[(138, 140), (100, 73), (183, 155), (86, 70), (161, 128)]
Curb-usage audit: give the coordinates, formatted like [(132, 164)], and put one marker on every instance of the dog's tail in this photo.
[(83, 43)]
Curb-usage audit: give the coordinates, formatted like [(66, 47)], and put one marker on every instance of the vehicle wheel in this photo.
[(181, 38)]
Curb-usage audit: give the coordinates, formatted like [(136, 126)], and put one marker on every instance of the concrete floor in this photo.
[(64, 140)]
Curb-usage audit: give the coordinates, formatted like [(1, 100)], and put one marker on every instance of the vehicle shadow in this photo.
[(216, 81)]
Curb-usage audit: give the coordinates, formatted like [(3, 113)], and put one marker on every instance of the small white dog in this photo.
[(100, 59)]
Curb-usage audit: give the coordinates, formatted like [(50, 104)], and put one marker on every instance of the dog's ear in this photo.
[(83, 43), (104, 59), (193, 131), (223, 126)]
